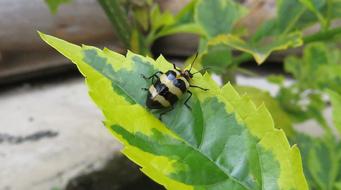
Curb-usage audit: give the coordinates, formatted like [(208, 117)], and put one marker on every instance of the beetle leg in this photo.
[(174, 66), (189, 97), (201, 88), (145, 89), (163, 113), (153, 76)]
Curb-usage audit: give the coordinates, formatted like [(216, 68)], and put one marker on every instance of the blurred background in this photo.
[(285, 54)]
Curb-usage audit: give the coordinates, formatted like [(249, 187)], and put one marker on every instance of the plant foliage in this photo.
[(225, 142), (217, 24), (317, 73)]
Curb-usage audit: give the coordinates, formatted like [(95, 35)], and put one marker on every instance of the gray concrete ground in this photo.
[(52, 132), (49, 134)]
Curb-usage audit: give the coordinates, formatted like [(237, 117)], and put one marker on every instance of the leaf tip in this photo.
[(42, 35)]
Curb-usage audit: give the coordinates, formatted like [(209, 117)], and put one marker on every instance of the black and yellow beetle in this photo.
[(169, 88)]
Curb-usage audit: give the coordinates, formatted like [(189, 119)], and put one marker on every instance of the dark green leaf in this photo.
[(218, 17), (217, 58)]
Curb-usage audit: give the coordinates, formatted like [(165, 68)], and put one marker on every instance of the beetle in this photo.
[(169, 87)]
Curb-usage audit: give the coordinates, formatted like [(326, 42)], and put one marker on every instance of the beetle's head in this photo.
[(187, 74)]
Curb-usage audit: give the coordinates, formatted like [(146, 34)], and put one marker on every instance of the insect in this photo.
[(169, 87)]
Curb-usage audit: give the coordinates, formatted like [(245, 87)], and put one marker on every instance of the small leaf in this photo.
[(141, 15), (159, 19), (335, 99), (54, 4), (224, 142), (319, 68), (319, 160), (185, 28), (217, 58), (259, 51), (218, 17), (183, 23), (315, 7)]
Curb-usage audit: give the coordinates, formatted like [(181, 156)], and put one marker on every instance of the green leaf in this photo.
[(335, 99), (281, 118), (319, 68), (319, 160), (141, 15), (337, 185), (183, 22), (218, 17), (314, 7), (159, 19), (259, 50), (302, 106), (288, 14), (224, 142), (54, 4), (218, 58)]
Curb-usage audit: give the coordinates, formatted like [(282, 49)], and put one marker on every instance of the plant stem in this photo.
[(118, 19), (229, 76)]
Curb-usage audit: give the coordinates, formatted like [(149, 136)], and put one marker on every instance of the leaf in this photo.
[(288, 14), (335, 99), (225, 142), (218, 17), (217, 58), (281, 118), (141, 15), (159, 19), (319, 160), (301, 107), (314, 7), (54, 4), (319, 68), (182, 23), (337, 186), (259, 51)]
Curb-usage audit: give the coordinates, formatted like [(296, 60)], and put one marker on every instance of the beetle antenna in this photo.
[(196, 55), (204, 69)]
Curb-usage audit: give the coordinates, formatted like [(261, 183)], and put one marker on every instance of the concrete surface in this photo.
[(49, 134)]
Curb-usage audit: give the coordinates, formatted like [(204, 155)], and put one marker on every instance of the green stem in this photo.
[(329, 11), (118, 19), (229, 76)]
